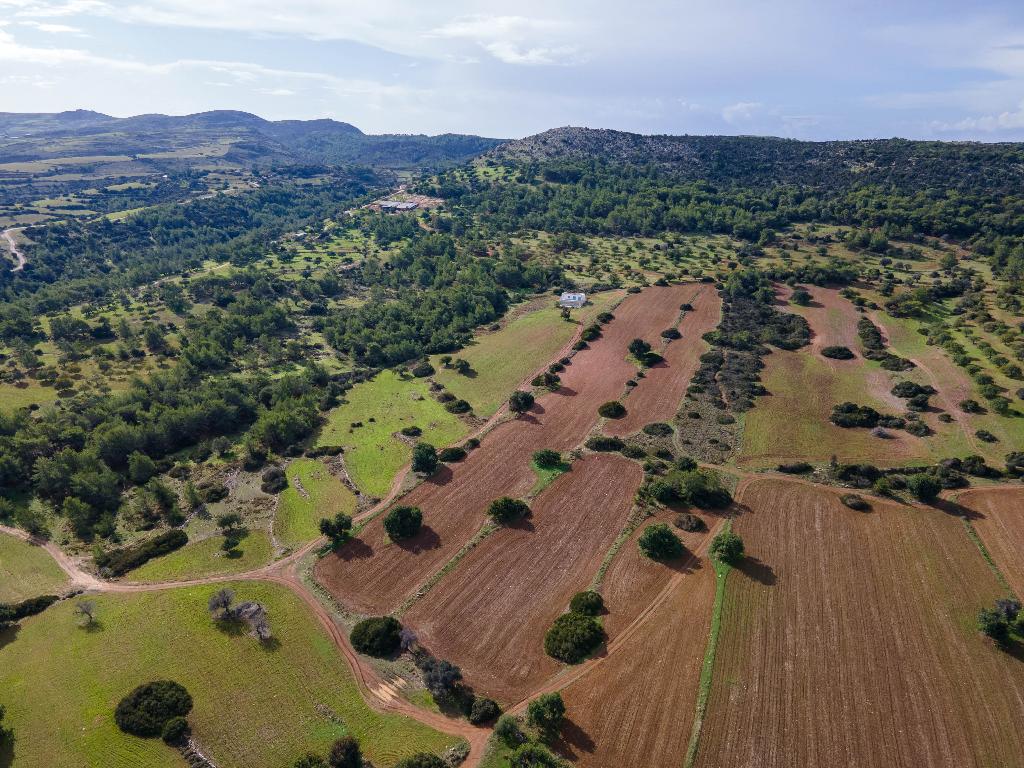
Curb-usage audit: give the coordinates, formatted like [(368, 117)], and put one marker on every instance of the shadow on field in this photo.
[(442, 476), (8, 636), (757, 570), (423, 541), (957, 510), (573, 740), (355, 549), (566, 391), (7, 752)]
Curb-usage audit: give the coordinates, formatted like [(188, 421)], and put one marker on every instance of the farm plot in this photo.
[(255, 706), (635, 707), (372, 575), (999, 520), (27, 571), (312, 493), (849, 638), (490, 614), (658, 395)]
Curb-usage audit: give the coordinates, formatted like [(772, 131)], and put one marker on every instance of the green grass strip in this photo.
[(707, 671), (973, 535)]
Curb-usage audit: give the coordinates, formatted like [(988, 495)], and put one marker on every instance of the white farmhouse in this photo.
[(574, 300)]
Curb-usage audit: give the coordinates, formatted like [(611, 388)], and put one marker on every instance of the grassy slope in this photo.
[(372, 454), (26, 571), (254, 708), (205, 558), (298, 515)]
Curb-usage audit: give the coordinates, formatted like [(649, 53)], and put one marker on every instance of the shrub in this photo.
[(605, 317), (852, 415), (727, 547), (986, 436), (403, 522), (174, 730), (925, 487), (422, 370), (797, 468), (671, 333), (520, 402), (117, 562), (659, 543), (337, 529), (309, 760), (422, 760), (838, 353), (545, 713), (639, 348), (603, 443), (483, 711), (993, 624), (274, 480), (689, 522), (535, 756), (590, 333), (634, 452), (853, 501), (613, 409), (412, 431), (1015, 462), (345, 753), (377, 636), (458, 406), (146, 710), (546, 458), (907, 389), (917, 428), (589, 603), (971, 406), (507, 729), (439, 676), (424, 458), (658, 429), (29, 607), (448, 455), (507, 510)]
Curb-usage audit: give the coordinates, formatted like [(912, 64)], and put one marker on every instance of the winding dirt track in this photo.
[(12, 245)]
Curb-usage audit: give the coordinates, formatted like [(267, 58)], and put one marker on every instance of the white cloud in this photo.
[(741, 112), (53, 29), (1004, 121)]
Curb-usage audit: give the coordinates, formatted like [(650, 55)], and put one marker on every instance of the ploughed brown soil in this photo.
[(372, 575), (635, 707), (490, 614), (998, 516), (848, 638), (658, 395)]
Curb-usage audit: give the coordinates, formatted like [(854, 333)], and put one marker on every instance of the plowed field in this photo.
[(999, 520), (849, 639)]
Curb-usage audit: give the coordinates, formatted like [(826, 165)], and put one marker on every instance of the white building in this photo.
[(574, 300)]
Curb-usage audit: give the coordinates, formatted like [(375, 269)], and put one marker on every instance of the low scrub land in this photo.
[(490, 614), (879, 605), (27, 571), (313, 493), (255, 706)]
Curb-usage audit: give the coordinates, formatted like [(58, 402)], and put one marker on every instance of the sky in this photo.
[(809, 69)]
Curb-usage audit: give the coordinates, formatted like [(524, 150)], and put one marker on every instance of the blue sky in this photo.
[(813, 69)]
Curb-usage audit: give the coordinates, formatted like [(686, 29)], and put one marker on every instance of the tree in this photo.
[(229, 522), (338, 529), (377, 636), (573, 637), (424, 458), (535, 756), (639, 348), (174, 730), (801, 296), (6, 734), (546, 458), (422, 760), (483, 710), (993, 624), (589, 603), (613, 409), (146, 710), (140, 468), (220, 603), (507, 729), (309, 760), (727, 547), (440, 677), (86, 609), (925, 487), (658, 542), (345, 753), (545, 713), (403, 522), (507, 510), (520, 402)]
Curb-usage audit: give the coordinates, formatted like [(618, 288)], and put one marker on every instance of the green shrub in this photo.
[(507, 729), (546, 458), (422, 370), (483, 710), (535, 756), (603, 443), (689, 522), (448, 455), (853, 501), (520, 402), (174, 730), (403, 522), (345, 753), (377, 636), (727, 547), (838, 353), (589, 603), (422, 760), (546, 713), (424, 458), (146, 710), (613, 409), (658, 429), (506, 510), (925, 487), (658, 542)]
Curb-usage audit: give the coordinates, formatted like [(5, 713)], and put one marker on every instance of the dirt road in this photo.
[(12, 245)]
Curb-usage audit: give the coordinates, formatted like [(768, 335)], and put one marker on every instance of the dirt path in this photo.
[(12, 245)]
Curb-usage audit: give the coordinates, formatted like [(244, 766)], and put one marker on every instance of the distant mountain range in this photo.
[(252, 140)]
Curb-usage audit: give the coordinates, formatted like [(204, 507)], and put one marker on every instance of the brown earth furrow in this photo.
[(491, 613), (848, 638), (372, 575), (658, 395), (997, 514)]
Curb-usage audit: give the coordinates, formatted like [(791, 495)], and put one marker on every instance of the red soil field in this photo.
[(998, 517), (848, 638), (633, 581), (372, 575), (635, 707), (659, 393), (490, 614)]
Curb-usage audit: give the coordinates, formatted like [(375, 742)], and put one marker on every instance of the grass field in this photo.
[(373, 454), (312, 493), (26, 571), (205, 558), (255, 706), (502, 359)]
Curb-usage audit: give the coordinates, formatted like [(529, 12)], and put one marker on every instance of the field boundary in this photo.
[(972, 534)]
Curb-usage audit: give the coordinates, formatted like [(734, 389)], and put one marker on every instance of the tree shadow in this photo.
[(957, 510), (7, 751), (442, 476), (231, 626), (522, 524), (573, 740), (423, 541), (8, 635), (270, 645), (757, 570), (565, 391), (354, 549)]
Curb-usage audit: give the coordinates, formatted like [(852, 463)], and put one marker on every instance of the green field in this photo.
[(373, 454), (205, 558), (27, 571), (501, 360), (255, 706), (298, 514)]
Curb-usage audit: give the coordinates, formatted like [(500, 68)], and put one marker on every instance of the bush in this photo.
[(925, 487), (422, 370), (458, 406), (146, 710), (377, 636), (689, 522), (174, 730), (546, 458), (613, 409), (993, 624), (908, 389), (422, 760), (971, 406), (403, 522), (337, 529), (853, 415), (483, 711), (345, 753), (671, 333), (838, 353), (801, 296), (412, 431), (30, 607), (853, 501), (797, 468), (986, 436), (545, 713), (658, 429), (117, 562), (507, 510), (520, 402), (659, 543), (589, 603), (535, 756), (603, 443), (507, 729), (727, 547), (448, 455), (274, 480), (424, 458)]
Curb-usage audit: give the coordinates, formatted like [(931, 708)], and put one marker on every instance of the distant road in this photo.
[(12, 244)]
